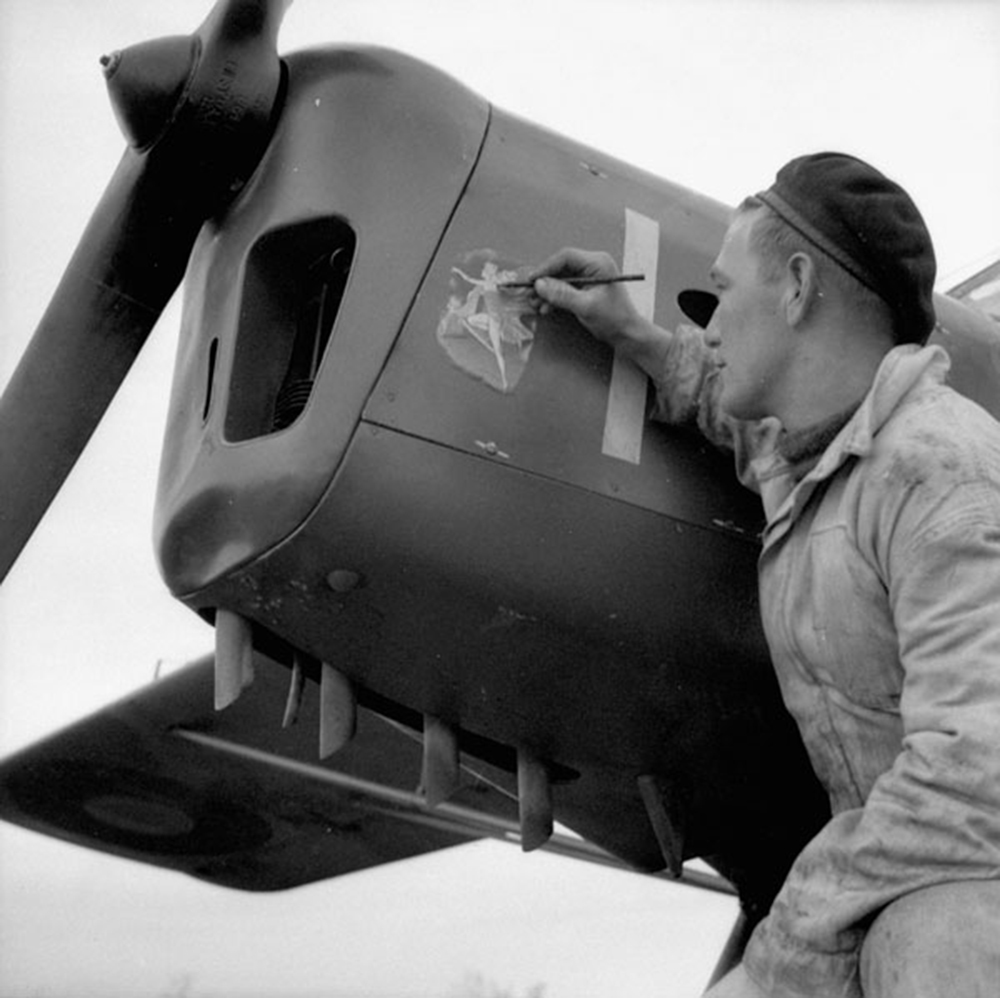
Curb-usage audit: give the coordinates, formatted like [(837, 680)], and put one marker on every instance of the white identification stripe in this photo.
[(626, 413)]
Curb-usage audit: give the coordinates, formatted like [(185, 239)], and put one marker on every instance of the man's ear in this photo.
[(802, 288)]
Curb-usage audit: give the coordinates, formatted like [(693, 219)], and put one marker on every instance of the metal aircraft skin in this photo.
[(440, 542)]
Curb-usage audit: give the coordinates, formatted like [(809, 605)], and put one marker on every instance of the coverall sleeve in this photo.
[(934, 816), (687, 392)]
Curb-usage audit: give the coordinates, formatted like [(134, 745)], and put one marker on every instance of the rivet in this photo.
[(342, 580)]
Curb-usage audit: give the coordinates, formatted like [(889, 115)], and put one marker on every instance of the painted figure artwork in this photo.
[(483, 328)]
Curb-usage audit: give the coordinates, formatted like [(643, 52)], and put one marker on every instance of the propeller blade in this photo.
[(198, 113)]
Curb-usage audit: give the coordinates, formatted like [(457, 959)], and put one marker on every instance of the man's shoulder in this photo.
[(938, 437), (935, 412)]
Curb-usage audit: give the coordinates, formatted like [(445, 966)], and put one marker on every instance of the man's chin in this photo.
[(729, 403), (734, 407)]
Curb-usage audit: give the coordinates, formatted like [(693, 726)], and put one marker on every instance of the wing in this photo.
[(968, 327), (981, 290), (239, 800), (233, 797)]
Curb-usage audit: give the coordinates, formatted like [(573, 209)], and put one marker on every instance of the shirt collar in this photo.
[(901, 369)]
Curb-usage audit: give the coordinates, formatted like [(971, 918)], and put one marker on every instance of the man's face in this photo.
[(747, 329)]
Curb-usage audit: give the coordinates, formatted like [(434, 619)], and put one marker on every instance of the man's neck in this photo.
[(830, 378), (809, 443)]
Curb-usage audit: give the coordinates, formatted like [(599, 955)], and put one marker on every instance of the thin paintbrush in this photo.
[(580, 282)]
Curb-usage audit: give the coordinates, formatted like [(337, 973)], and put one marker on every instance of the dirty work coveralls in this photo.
[(880, 598)]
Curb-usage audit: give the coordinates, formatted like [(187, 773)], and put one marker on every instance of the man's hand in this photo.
[(604, 310)]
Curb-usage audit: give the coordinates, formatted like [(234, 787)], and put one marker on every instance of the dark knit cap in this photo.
[(867, 224)]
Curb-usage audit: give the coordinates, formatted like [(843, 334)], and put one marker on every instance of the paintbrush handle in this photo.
[(580, 282)]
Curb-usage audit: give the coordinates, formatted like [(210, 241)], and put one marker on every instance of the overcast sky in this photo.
[(713, 95)]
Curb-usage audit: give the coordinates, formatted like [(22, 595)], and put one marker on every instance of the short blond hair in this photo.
[(775, 242)]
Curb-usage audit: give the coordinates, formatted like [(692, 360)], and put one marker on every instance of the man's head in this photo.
[(864, 224), (817, 278)]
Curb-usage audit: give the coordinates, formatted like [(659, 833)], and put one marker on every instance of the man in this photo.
[(879, 570)]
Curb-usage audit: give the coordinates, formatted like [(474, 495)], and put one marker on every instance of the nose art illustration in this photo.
[(483, 326)]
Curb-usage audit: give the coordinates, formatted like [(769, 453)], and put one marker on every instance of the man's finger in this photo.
[(558, 293), (570, 262)]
